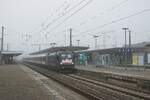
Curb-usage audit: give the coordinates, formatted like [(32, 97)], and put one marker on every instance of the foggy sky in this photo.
[(28, 22)]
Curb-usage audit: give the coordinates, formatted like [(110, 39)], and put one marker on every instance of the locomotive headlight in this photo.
[(61, 63), (72, 63)]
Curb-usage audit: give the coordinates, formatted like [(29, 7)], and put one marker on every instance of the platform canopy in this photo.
[(61, 48), (11, 53)]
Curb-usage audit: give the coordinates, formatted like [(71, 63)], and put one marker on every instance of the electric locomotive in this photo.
[(62, 60)]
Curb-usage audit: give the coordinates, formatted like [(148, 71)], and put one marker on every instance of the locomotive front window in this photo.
[(63, 56), (66, 56), (69, 56)]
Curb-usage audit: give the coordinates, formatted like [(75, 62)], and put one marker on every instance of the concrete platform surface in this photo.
[(56, 90), (134, 72), (15, 84)]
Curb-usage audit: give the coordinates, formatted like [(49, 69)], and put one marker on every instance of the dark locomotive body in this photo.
[(60, 61)]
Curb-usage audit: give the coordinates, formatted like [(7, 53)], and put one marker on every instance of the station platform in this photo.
[(140, 73), (16, 84)]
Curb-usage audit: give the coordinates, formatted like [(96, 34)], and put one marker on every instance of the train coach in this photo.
[(56, 58), (62, 60)]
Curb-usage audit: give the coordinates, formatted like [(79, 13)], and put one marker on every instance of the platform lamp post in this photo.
[(95, 36), (125, 29), (130, 49), (78, 42), (2, 40), (125, 50), (70, 36), (129, 38)]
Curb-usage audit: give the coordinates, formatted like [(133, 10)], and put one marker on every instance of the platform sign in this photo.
[(148, 58), (134, 59)]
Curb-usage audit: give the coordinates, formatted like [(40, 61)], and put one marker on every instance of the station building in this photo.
[(8, 57), (136, 55)]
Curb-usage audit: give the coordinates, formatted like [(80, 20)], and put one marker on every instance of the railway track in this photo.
[(116, 88), (92, 89), (116, 82)]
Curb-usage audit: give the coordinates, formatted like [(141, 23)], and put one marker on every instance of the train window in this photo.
[(63, 56), (66, 56), (69, 56)]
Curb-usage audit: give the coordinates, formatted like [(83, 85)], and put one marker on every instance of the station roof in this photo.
[(141, 44), (61, 48), (103, 51), (11, 53), (116, 50)]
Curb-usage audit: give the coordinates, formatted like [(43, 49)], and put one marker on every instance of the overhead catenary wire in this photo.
[(59, 9), (67, 12), (75, 6), (78, 5), (72, 8), (116, 21), (71, 15), (49, 17), (109, 10)]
